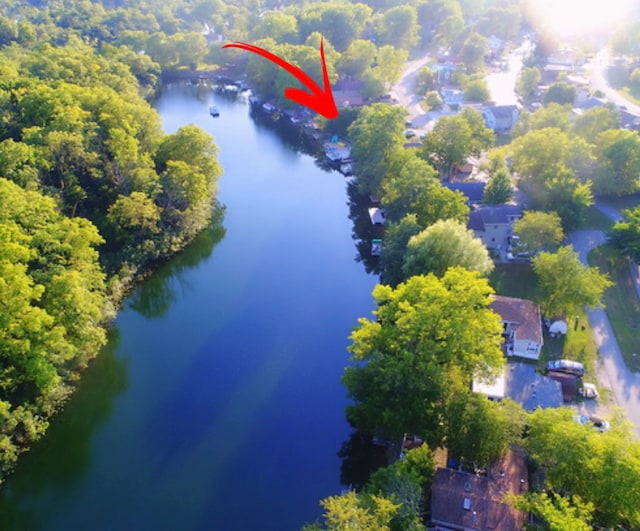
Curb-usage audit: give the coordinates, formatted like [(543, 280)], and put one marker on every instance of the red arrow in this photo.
[(321, 100)]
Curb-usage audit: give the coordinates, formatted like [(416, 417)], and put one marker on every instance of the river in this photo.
[(217, 404)]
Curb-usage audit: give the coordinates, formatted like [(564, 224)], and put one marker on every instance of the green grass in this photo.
[(622, 304), (514, 280), (519, 280)]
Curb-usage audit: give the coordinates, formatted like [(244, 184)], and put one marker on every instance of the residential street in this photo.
[(612, 371), (598, 81)]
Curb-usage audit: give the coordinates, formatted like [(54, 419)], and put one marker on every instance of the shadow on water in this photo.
[(156, 294), (60, 458), (363, 231), (360, 458)]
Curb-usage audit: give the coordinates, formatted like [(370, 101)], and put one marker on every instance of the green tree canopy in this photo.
[(539, 230), (565, 285), (625, 234), (499, 189), (601, 469), (618, 171), (375, 136), (424, 333), (445, 244)]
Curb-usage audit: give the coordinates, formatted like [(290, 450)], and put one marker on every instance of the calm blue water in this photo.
[(217, 404)]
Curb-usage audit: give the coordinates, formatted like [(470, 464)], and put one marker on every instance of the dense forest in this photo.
[(92, 195)]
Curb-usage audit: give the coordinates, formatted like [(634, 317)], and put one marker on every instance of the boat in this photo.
[(213, 111)]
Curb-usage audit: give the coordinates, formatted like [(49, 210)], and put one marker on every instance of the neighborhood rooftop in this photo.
[(523, 314)]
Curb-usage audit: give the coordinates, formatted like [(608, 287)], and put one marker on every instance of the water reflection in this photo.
[(363, 231), (360, 458), (155, 296), (60, 460)]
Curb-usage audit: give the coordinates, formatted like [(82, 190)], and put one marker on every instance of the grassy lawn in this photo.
[(622, 304), (519, 280), (514, 280)]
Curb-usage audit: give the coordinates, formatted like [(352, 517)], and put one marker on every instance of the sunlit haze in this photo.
[(579, 17)]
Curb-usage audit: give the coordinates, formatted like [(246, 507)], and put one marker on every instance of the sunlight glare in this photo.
[(574, 18)]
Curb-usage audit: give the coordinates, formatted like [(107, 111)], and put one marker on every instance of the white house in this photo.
[(522, 326)]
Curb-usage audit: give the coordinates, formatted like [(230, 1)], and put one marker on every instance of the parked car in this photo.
[(597, 422), (409, 133), (567, 366), (589, 390)]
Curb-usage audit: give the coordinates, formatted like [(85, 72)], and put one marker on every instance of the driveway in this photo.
[(613, 374)]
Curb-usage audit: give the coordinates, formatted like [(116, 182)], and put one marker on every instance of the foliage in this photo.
[(394, 248), (476, 90), (454, 138), (398, 27), (625, 234), (426, 333), (480, 430), (565, 285), (353, 511), (433, 100), (438, 202), (592, 122), (445, 244), (559, 92), (499, 189), (405, 482), (539, 230), (407, 178), (557, 513), (52, 310), (375, 135), (553, 115), (527, 81), (601, 469), (618, 171), (473, 51)]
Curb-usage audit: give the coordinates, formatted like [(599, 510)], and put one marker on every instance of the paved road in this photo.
[(599, 81), (612, 370)]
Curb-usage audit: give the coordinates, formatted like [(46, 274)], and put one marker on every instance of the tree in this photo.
[(601, 471), (445, 244), (375, 135), (407, 178), (425, 80), (480, 430), (353, 511), (405, 482), (565, 285), (278, 26), (553, 115), (566, 196), (357, 58), (561, 93), (394, 248), (340, 23), (433, 100), (499, 189), (424, 332), (438, 202), (618, 170), (473, 51), (539, 230), (389, 63), (454, 138), (476, 90), (527, 81), (625, 235), (398, 27), (557, 512), (592, 122)]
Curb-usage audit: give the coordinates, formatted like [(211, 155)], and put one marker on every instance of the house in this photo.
[(452, 97), (378, 216), (472, 190), (500, 118), (522, 326), (465, 502), (494, 223), (523, 384)]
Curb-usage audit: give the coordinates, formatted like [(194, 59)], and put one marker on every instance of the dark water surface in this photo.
[(217, 403)]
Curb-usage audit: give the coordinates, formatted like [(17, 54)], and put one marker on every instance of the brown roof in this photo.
[(524, 316), (486, 509)]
